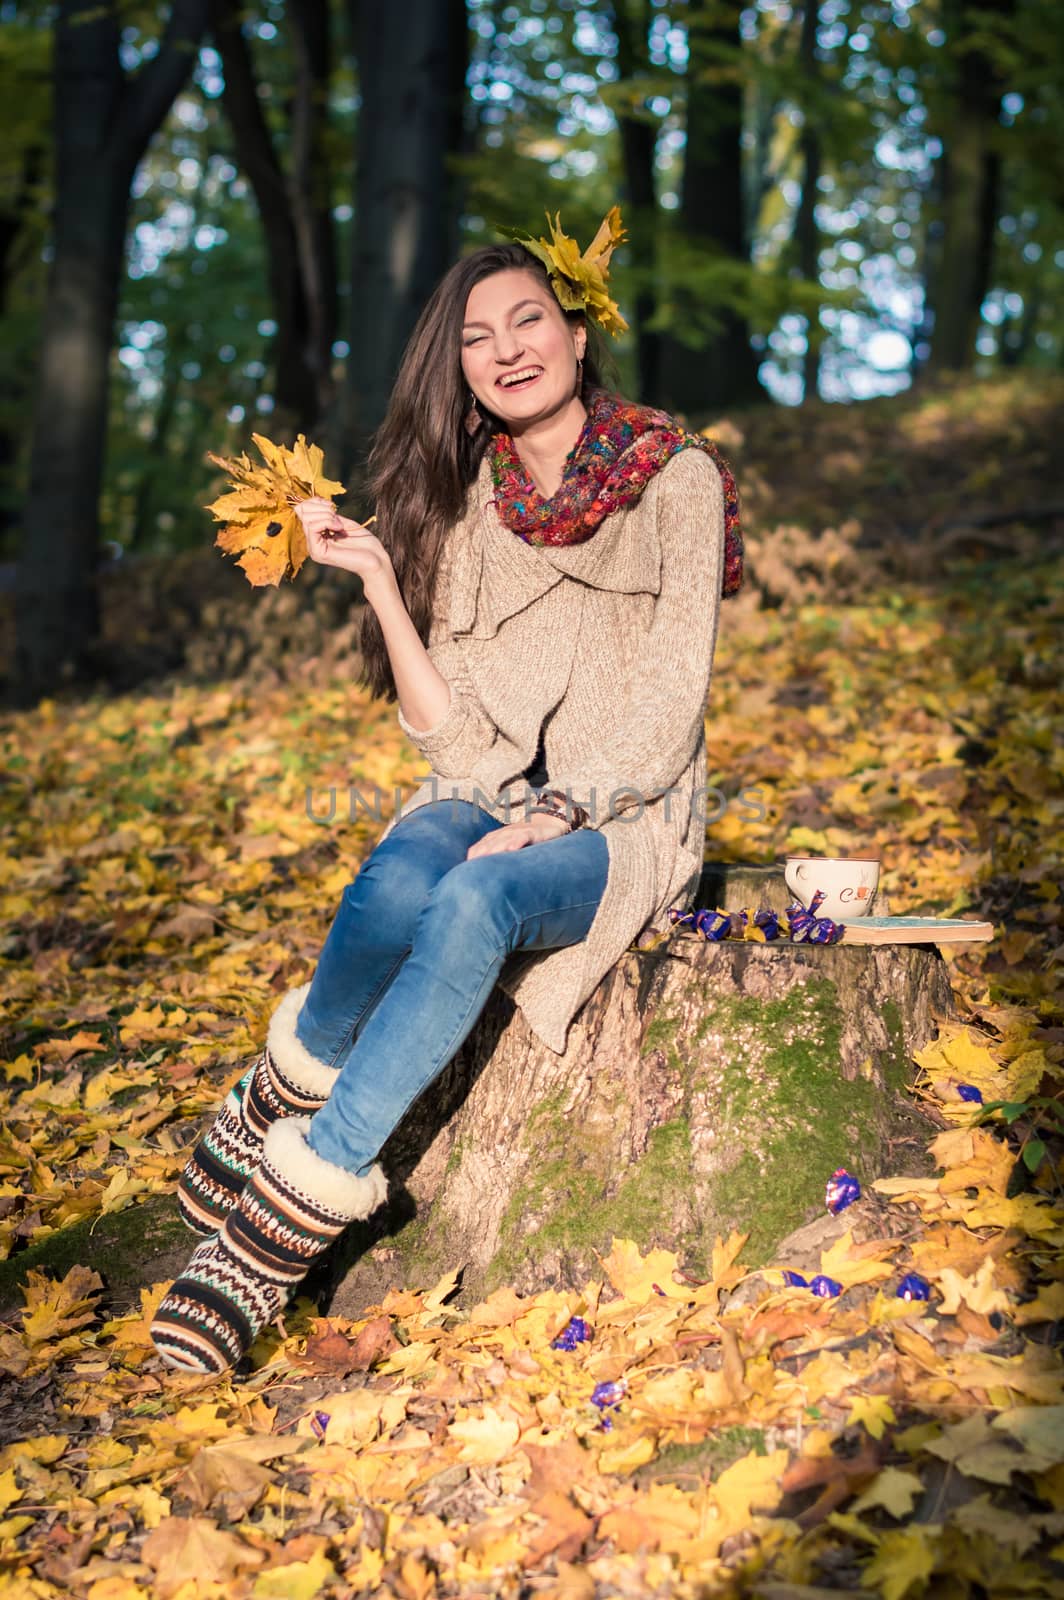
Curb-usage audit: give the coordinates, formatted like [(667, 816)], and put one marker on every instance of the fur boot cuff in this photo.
[(346, 1194), (294, 1060)]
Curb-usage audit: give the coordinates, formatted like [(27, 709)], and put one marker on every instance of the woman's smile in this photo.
[(520, 379)]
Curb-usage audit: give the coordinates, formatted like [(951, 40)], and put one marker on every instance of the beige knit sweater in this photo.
[(610, 644)]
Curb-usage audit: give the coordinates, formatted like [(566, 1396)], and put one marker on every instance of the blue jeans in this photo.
[(413, 954)]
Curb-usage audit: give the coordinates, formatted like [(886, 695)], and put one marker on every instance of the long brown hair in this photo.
[(423, 460)]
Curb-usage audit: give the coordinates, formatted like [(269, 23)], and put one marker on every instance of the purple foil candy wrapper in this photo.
[(713, 925), (716, 925), (841, 1191), (968, 1091), (575, 1332), (319, 1422), (608, 1395), (794, 1280), (808, 928), (913, 1287), (824, 1288)]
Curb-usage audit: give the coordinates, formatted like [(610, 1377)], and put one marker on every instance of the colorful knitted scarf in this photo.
[(620, 448)]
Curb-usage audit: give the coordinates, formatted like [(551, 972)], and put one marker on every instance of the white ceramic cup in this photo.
[(849, 885)]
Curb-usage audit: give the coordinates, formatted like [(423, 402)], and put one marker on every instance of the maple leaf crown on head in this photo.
[(581, 280)]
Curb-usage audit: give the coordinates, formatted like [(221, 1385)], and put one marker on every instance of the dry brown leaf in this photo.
[(192, 1550)]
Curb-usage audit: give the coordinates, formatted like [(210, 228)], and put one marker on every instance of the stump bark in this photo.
[(704, 1087)]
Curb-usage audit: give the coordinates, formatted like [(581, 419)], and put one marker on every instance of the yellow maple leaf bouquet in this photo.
[(580, 279), (258, 513)]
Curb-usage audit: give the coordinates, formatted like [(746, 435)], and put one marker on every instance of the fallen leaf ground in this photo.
[(163, 882)]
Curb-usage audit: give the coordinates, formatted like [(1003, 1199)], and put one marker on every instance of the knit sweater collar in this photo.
[(496, 575)]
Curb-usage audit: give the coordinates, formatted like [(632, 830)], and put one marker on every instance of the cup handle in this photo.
[(791, 874)]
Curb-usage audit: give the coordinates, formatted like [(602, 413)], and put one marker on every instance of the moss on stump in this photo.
[(704, 1087)]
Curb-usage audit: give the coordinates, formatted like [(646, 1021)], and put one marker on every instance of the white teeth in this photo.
[(518, 377)]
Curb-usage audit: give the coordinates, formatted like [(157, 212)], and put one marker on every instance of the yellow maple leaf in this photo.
[(1039, 1429), (638, 1277), (298, 1580), (53, 1309), (750, 1485), (904, 1559), (1047, 1306), (485, 1439), (979, 1292), (184, 1549), (862, 1263), (973, 1158), (625, 1455), (893, 1490), (259, 521), (874, 1411), (580, 280), (9, 1489)]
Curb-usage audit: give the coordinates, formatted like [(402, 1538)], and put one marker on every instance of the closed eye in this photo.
[(476, 338)]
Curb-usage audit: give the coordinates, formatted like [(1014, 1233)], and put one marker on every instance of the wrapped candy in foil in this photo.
[(968, 1091), (841, 1191), (825, 1288), (807, 928), (575, 1332), (794, 1280), (762, 924), (319, 1421), (608, 1395), (913, 1287), (768, 921)]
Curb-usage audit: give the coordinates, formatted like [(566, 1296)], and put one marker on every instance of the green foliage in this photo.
[(547, 85)]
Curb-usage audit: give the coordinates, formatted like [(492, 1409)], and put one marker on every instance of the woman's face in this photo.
[(519, 352)]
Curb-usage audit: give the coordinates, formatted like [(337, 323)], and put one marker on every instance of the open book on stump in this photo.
[(916, 930)]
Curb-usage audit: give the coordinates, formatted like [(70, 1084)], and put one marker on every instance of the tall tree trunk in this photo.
[(296, 398), (408, 73), (723, 371), (103, 123), (18, 242), (631, 22), (806, 232), (311, 192), (959, 269)]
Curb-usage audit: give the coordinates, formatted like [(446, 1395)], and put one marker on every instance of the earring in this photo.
[(579, 373), (473, 418)]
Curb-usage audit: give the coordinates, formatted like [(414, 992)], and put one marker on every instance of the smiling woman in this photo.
[(542, 600)]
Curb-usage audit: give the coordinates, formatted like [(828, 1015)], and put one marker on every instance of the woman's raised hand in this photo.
[(336, 541)]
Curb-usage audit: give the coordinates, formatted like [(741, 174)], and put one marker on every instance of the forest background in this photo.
[(216, 217), (845, 225)]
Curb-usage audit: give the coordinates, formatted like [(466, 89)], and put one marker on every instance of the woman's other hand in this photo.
[(336, 541), (516, 835)]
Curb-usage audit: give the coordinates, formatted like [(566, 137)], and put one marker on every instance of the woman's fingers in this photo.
[(512, 837)]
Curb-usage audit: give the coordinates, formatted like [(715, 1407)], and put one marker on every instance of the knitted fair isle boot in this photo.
[(293, 1207), (285, 1081)]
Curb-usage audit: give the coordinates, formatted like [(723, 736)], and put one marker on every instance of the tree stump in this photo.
[(704, 1087)]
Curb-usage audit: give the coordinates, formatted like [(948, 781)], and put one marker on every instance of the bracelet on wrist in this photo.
[(553, 803)]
